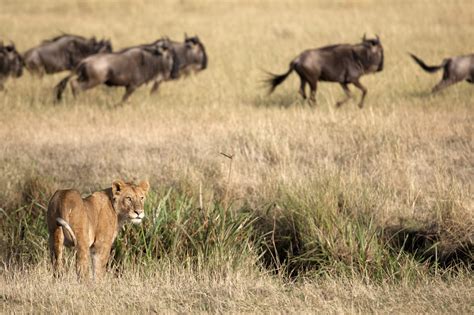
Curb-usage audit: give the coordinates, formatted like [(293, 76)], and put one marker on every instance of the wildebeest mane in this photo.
[(54, 39)]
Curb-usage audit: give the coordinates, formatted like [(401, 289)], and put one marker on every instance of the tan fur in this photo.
[(91, 224)]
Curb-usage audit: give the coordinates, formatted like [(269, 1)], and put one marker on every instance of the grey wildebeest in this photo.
[(63, 52), (11, 63), (455, 69), (192, 57), (342, 63), (129, 68)]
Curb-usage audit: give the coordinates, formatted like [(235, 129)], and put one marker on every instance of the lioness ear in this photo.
[(117, 187), (144, 185)]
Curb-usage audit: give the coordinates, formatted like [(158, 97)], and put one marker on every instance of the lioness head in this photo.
[(129, 199)]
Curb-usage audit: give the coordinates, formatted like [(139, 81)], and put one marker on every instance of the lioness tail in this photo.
[(67, 229)]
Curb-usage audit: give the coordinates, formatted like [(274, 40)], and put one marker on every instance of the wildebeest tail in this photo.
[(427, 68), (67, 230), (275, 79), (59, 88)]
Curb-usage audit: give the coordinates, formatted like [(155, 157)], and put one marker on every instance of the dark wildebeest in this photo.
[(455, 69), (191, 55), (129, 68), (343, 63), (11, 63), (63, 52)]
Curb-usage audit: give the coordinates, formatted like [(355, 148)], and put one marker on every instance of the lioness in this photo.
[(91, 224)]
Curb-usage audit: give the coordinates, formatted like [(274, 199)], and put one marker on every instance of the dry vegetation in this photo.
[(305, 219)]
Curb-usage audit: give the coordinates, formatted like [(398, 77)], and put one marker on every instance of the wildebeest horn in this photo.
[(185, 36), (364, 38), (378, 38)]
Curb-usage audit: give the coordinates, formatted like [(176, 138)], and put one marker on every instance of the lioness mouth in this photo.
[(136, 220)]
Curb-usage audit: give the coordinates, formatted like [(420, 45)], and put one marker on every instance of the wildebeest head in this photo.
[(373, 53), (164, 48), (102, 46), (13, 59), (195, 51)]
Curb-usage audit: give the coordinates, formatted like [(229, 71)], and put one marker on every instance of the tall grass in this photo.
[(328, 229)]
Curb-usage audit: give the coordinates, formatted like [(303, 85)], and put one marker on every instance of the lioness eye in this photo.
[(129, 199)]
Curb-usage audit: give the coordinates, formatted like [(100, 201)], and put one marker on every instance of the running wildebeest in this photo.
[(11, 63), (342, 63), (63, 52), (191, 55), (455, 69), (129, 68)]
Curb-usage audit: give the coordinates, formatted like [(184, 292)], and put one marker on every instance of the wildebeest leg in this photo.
[(303, 80), (302, 87), (78, 86), (129, 89), (364, 92), (155, 86), (312, 96), (74, 86), (443, 84), (348, 94)]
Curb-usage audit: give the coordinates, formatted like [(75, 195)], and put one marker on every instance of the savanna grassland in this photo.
[(319, 209)]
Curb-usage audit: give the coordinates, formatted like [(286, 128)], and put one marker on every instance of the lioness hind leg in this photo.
[(56, 241), (82, 262)]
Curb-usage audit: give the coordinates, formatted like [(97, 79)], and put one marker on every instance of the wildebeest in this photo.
[(455, 69), (342, 63), (63, 52), (129, 68), (11, 63), (192, 57)]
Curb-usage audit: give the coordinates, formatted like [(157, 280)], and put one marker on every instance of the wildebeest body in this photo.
[(455, 69), (342, 63), (129, 68), (62, 53)]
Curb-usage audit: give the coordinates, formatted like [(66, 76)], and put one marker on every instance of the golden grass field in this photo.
[(406, 158)]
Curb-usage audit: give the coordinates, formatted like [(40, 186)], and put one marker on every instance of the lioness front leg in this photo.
[(100, 256)]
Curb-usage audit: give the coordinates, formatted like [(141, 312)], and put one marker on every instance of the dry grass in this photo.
[(406, 155), (182, 291)]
